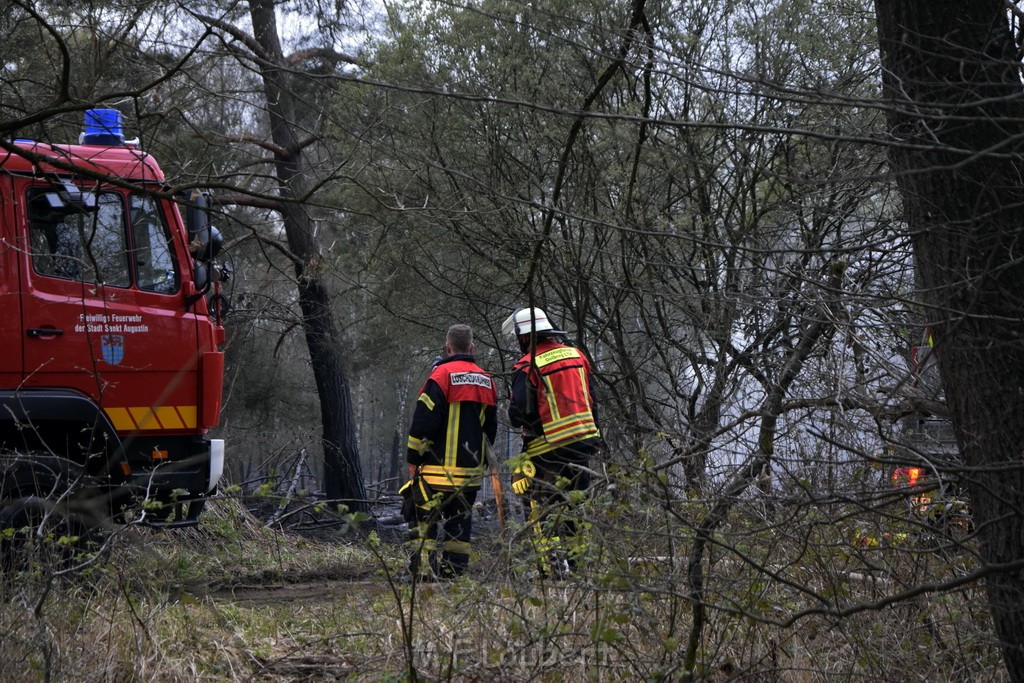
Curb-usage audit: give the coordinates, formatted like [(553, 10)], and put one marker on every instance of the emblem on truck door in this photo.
[(113, 348)]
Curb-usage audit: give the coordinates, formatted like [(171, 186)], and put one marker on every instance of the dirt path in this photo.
[(311, 586), (291, 592)]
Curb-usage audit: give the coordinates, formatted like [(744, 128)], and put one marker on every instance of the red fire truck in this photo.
[(111, 364)]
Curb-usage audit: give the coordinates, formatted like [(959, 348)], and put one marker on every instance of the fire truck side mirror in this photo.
[(197, 212), (202, 276), (205, 241), (209, 242)]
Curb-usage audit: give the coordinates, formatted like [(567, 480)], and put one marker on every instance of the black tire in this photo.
[(39, 534), (45, 522)]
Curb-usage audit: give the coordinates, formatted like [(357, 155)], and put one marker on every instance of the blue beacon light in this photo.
[(103, 127)]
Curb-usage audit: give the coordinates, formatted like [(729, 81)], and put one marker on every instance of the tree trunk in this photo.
[(343, 477), (956, 115)]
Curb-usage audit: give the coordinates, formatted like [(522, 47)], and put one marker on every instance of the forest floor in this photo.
[(326, 582), (315, 598)]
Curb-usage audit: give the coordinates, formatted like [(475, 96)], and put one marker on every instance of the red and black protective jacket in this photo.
[(551, 398), (455, 420)]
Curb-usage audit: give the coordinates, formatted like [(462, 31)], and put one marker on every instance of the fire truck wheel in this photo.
[(36, 533), (46, 518)]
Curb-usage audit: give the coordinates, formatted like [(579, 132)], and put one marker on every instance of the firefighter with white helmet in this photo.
[(552, 402)]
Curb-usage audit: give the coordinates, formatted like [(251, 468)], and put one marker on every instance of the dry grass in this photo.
[(236, 601)]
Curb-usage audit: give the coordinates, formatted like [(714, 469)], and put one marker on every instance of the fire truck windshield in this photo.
[(92, 245), (79, 245)]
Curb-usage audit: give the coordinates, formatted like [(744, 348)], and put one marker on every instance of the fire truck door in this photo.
[(104, 312)]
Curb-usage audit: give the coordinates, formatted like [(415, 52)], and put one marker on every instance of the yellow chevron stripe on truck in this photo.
[(131, 418)]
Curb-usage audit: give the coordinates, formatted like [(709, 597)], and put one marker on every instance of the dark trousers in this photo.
[(554, 517), (555, 480), (451, 520)]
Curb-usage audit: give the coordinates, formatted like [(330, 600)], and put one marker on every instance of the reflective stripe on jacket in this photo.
[(560, 379), (454, 421)]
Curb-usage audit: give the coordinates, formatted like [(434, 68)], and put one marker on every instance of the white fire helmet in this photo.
[(527, 320)]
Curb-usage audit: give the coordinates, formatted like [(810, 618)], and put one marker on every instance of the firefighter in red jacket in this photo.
[(454, 423), (551, 400)]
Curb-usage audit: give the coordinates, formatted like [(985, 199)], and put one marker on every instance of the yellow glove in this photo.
[(522, 477)]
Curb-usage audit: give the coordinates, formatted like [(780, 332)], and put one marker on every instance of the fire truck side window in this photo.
[(77, 244), (155, 266)]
